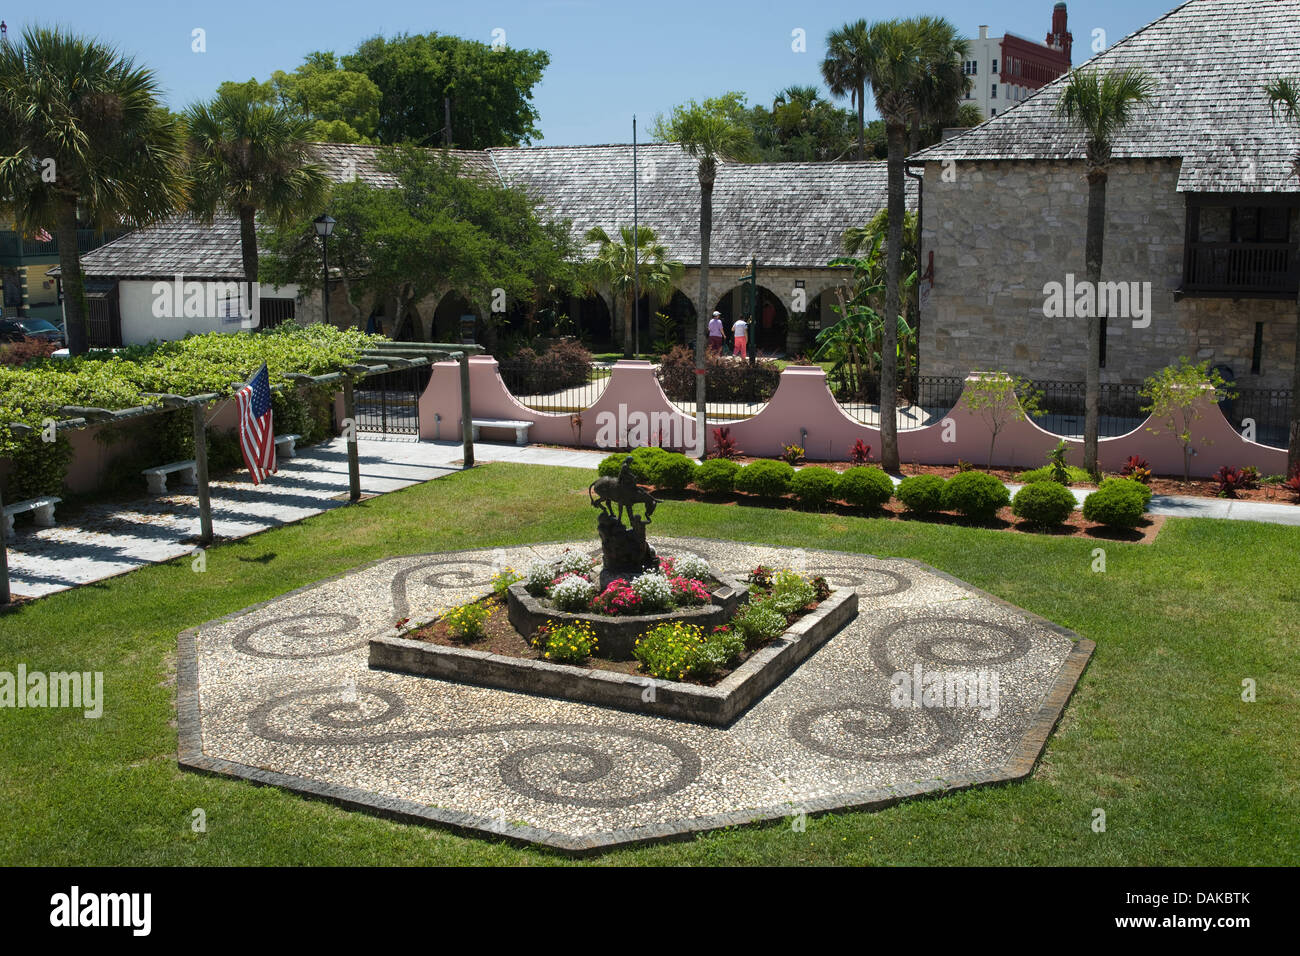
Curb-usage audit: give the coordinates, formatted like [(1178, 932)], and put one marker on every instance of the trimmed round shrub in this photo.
[(1117, 503), (975, 494), (674, 471), (921, 493), (717, 475), (1130, 485), (611, 465), (1047, 503), (768, 479), (813, 485), (864, 487), (647, 462)]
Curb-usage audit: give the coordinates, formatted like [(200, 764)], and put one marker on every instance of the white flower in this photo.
[(573, 593), (571, 562), (539, 576), (653, 589), (690, 566)]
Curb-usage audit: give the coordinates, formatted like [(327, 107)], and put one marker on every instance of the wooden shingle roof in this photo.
[(1210, 60), (784, 214)]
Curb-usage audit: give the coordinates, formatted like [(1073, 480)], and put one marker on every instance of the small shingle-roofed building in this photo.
[(1203, 210), (790, 217)]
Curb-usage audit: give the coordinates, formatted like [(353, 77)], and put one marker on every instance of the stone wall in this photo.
[(1000, 231)]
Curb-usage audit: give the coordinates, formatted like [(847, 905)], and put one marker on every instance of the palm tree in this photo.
[(250, 157), (944, 83), (707, 135), (1099, 105), (847, 68), (909, 67), (615, 264), (1284, 100), (81, 130)]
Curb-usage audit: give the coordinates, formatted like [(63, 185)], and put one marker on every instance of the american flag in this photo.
[(256, 433)]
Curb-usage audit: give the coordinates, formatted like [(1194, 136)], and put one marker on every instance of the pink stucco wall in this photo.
[(803, 411)]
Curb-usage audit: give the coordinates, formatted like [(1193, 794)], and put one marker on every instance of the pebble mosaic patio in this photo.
[(281, 694)]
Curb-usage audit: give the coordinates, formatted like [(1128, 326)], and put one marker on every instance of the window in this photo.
[(1242, 244), (1257, 353), (994, 111), (995, 66), (994, 94)]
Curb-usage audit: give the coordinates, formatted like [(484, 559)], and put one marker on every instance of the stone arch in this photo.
[(767, 328)]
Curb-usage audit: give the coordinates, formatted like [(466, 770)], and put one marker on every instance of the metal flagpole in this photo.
[(636, 254)]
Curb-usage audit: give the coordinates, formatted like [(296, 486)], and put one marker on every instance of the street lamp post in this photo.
[(324, 229)]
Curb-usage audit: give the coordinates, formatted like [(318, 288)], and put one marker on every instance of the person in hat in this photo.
[(717, 336)]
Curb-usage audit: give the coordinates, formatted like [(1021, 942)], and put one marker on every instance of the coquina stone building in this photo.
[(1203, 210)]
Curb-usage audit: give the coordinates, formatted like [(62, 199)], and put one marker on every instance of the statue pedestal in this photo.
[(624, 551)]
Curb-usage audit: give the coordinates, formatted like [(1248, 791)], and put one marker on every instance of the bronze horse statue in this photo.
[(606, 492)]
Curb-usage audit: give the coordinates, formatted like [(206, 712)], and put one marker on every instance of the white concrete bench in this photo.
[(157, 477), (521, 428), (285, 445), (42, 509)]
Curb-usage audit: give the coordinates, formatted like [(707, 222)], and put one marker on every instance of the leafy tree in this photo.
[(490, 89), (708, 132), (1284, 100), (847, 70), (341, 105), (855, 340), (615, 266), (250, 159), (81, 129), (801, 126), (1099, 105), (998, 399), (1176, 395), (440, 228)]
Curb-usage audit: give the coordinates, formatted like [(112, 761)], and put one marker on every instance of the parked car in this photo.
[(15, 330)]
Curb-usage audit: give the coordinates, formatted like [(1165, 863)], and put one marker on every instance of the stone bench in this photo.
[(157, 477), (521, 428), (285, 445), (42, 509)]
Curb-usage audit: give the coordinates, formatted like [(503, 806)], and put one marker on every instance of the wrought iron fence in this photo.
[(548, 384), (735, 389), (1268, 409), (921, 402), (1062, 405)]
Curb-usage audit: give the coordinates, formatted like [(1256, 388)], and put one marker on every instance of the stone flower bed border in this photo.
[(718, 705)]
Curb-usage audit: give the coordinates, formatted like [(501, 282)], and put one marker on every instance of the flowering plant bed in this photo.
[(677, 668)]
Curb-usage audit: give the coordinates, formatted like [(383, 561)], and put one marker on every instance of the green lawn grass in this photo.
[(1156, 734)]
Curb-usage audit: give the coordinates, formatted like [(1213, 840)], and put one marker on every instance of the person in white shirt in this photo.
[(740, 332), (716, 334)]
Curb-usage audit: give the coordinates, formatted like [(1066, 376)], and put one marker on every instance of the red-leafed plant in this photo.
[(860, 453), (724, 446), (1137, 468), (1292, 483), (1229, 480)]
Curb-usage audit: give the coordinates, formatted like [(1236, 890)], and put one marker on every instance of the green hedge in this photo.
[(213, 362), (1117, 503)]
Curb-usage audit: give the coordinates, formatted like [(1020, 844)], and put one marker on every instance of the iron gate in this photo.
[(389, 403)]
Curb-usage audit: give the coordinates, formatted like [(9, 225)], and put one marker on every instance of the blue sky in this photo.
[(609, 58)]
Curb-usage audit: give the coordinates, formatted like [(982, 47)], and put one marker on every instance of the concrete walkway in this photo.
[(106, 539)]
